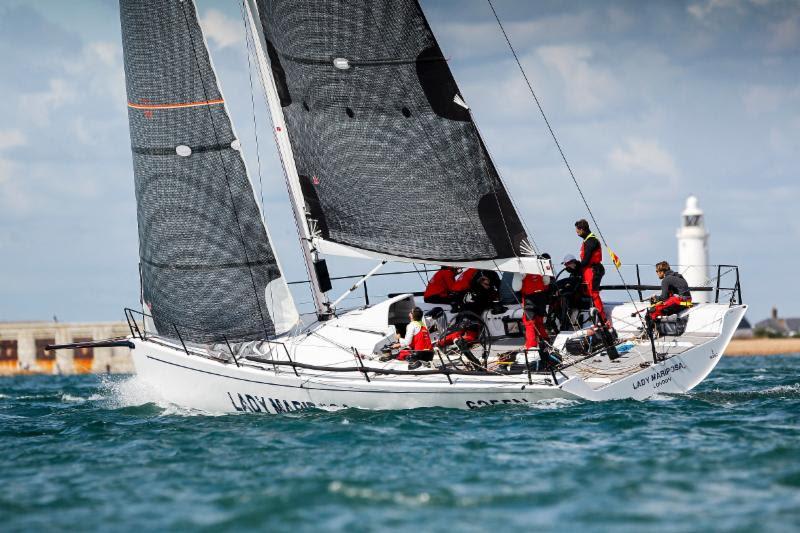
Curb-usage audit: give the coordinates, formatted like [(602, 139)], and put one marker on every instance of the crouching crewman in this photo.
[(675, 295), (416, 338)]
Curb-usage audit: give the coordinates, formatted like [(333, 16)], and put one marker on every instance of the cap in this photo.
[(568, 258)]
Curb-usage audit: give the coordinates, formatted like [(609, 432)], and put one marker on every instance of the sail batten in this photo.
[(388, 159), (206, 260)]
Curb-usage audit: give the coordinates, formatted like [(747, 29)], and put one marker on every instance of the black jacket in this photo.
[(674, 284)]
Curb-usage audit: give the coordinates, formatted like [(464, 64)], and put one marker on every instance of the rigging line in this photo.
[(558, 145), (486, 164), (222, 162), (528, 233), (419, 274), (486, 158), (248, 40), (286, 175)]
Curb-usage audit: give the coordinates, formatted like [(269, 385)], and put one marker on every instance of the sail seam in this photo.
[(363, 62), (171, 150), (206, 267), (178, 105)]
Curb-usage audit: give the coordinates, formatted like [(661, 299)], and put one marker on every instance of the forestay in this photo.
[(207, 263), (388, 159)]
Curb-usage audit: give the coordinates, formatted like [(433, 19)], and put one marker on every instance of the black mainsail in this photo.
[(207, 264), (389, 162)]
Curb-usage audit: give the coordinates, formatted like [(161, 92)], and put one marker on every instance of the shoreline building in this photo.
[(22, 348), (693, 249), (779, 326)]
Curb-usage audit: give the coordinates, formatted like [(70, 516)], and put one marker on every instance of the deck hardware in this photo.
[(289, 357), (444, 368), (528, 367), (360, 363), (181, 339)]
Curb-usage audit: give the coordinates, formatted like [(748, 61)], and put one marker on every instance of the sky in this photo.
[(651, 102)]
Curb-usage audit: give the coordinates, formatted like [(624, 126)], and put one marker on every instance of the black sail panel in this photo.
[(207, 264), (388, 156)]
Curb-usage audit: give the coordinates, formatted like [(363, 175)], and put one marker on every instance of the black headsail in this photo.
[(207, 263), (388, 159)]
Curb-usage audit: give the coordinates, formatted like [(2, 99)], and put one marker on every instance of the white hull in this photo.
[(194, 381)]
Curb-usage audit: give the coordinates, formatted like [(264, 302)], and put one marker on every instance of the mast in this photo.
[(310, 253)]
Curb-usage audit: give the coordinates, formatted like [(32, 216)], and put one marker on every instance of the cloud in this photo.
[(588, 88), (760, 99), (99, 67), (221, 30), (786, 34), (41, 103), (13, 199), (643, 156), (5, 170), (701, 10), (12, 138)]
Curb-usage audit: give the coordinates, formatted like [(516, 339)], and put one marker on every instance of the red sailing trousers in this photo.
[(669, 306), (534, 330), (593, 292)]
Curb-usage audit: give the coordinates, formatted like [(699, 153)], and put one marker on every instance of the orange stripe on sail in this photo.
[(175, 106)]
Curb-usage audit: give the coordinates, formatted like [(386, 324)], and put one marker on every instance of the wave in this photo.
[(778, 392), (553, 403), (372, 495), (134, 392), (66, 397)]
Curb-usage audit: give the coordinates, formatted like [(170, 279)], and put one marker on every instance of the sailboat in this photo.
[(365, 111)]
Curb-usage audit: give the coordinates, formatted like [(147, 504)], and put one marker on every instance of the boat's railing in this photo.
[(221, 338), (445, 370), (725, 286), (725, 275)]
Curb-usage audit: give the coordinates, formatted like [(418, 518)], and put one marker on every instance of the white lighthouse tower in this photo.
[(693, 249)]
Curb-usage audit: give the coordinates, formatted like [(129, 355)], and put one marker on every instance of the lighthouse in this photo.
[(693, 248)]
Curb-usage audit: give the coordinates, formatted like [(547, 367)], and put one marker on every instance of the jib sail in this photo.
[(207, 264)]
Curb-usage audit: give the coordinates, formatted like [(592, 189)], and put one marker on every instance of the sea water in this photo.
[(106, 454)]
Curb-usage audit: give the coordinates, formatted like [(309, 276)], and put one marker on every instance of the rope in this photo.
[(558, 145), (248, 40), (286, 177)]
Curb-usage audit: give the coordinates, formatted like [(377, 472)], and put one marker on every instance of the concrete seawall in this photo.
[(22, 348)]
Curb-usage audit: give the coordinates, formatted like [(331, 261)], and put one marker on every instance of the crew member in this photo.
[(568, 291), (535, 295), (591, 266), (675, 295), (572, 283), (482, 294), (463, 283), (416, 338), (440, 289)]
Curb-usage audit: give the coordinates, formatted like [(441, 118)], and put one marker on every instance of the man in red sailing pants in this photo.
[(591, 266), (416, 337), (675, 295), (534, 302)]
